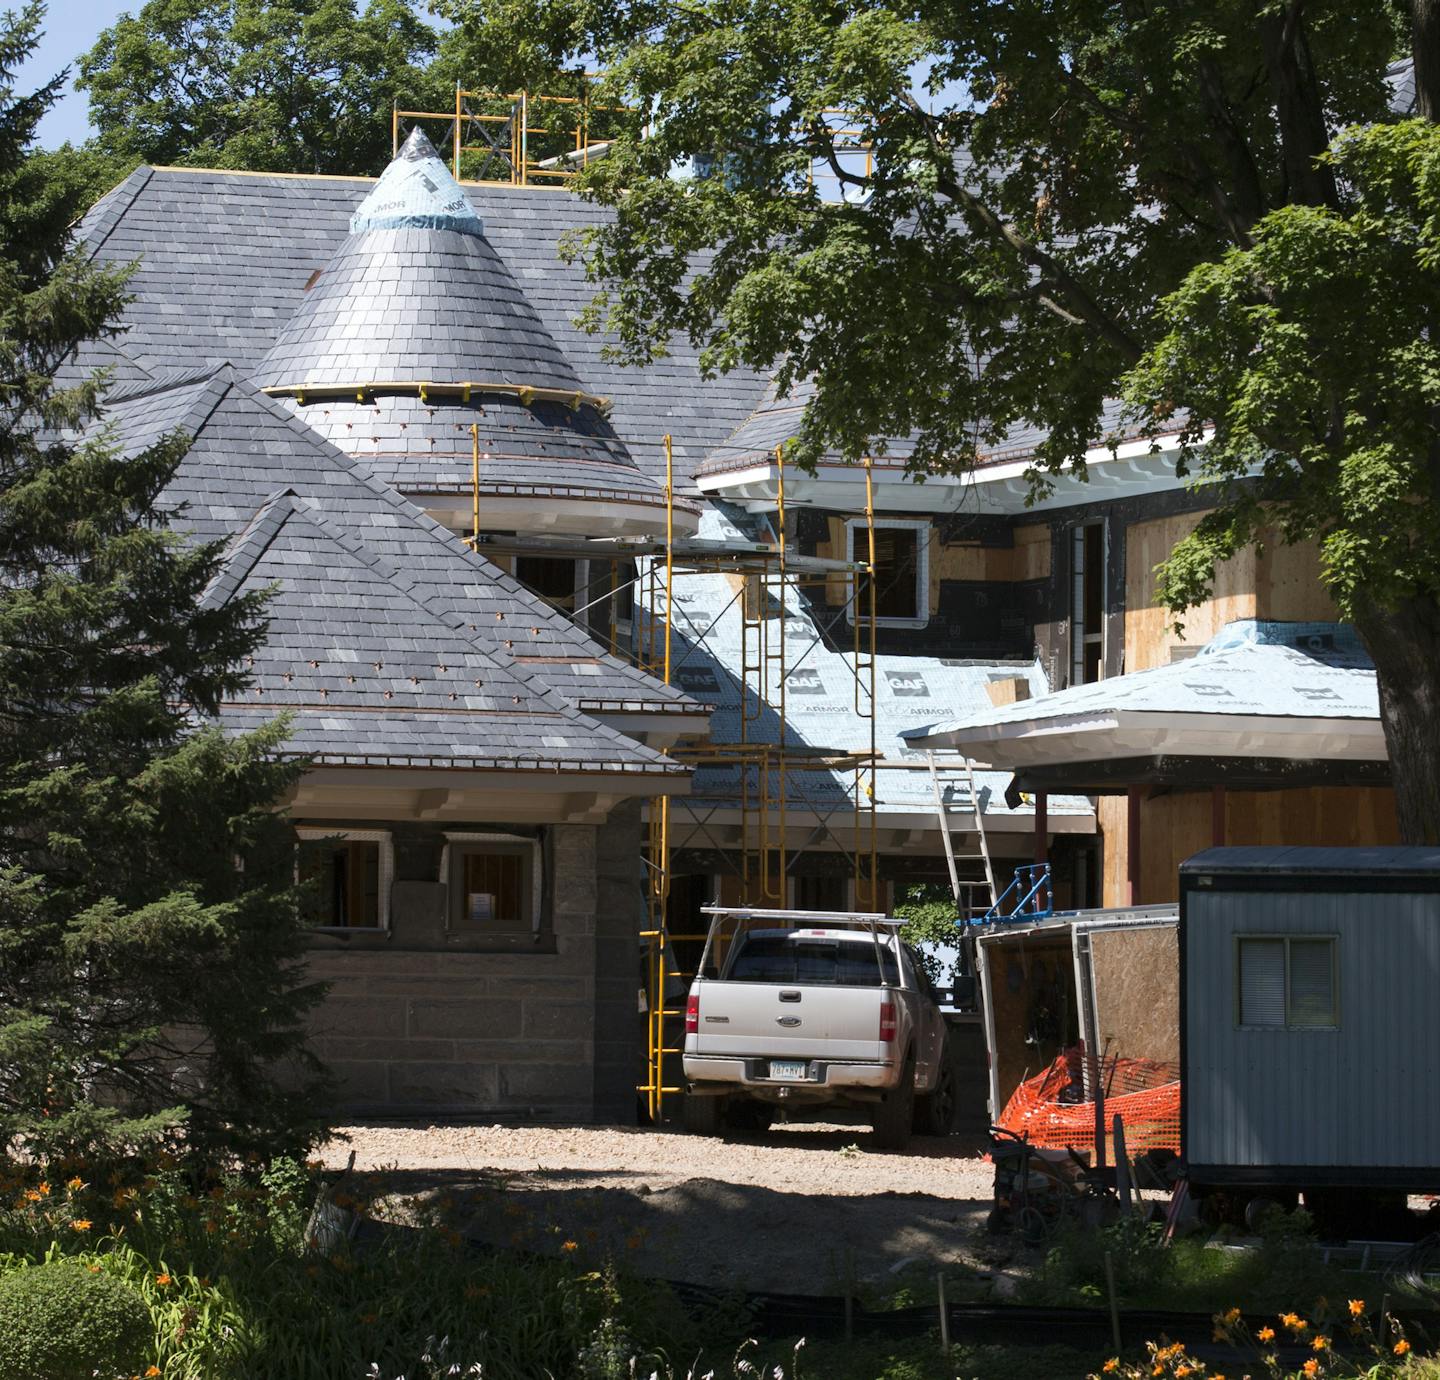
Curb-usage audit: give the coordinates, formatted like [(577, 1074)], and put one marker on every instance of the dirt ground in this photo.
[(798, 1209)]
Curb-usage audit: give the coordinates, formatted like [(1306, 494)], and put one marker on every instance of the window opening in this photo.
[(493, 883), (822, 892), (902, 574), (346, 878), (551, 577), (1087, 603), (1286, 982)]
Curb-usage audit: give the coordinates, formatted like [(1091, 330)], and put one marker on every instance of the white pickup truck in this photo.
[(835, 1011)]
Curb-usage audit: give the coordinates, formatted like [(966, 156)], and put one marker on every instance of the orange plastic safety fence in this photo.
[(1055, 1110)]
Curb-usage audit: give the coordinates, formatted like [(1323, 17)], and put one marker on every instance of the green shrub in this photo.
[(61, 1321)]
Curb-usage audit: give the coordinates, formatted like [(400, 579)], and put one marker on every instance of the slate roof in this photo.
[(776, 420), (543, 449), (1252, 667), (373, 676), (416, 330), (247, 449), (415, 293), (224, 258)]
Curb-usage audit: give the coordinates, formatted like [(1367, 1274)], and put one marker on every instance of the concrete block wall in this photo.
[(416, 1028)]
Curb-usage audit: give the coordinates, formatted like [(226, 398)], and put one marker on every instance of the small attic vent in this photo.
[(312, 280)]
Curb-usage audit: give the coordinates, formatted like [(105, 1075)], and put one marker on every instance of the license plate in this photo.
[(792, 1070)]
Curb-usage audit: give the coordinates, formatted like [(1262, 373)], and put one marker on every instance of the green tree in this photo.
[(999, 256), (148, 985), (295, 86)]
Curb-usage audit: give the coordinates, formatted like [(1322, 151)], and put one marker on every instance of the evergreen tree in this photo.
[(150, 947)]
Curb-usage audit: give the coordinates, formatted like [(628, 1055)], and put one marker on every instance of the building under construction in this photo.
[(570, 651)]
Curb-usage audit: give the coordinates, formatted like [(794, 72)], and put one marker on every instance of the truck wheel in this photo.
[(895, 1115), (703, 1116), (935, 1110)]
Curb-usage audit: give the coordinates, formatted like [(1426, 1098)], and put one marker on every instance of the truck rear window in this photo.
[(814, 961)]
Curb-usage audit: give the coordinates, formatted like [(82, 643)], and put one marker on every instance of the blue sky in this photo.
[(71, 28)]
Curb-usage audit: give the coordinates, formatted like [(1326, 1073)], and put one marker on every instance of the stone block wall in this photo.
[(413, 1027)]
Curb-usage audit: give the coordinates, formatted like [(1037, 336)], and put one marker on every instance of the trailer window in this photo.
[(1286, 982), (831, 962)]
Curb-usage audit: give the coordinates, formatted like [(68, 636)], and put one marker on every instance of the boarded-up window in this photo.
[(492, 887), (1288, 983), (341, 878)]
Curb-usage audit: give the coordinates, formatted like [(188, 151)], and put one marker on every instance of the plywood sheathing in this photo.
[(1137, 993), (1176, 825), (1268, 580)]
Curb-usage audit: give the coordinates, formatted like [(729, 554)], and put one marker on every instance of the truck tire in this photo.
[(703, 1116), (894, 1116), (935, 1110)]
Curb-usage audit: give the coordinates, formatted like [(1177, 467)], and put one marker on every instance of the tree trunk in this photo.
[(1404, 644), (1425, 44)]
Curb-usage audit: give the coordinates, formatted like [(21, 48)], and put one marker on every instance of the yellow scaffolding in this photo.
[(765, 771), (518, 138), (770, 777)]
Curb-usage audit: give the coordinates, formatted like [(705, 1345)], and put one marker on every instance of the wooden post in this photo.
[(1114, 1307), (1042, 825), (944, 1315), (1132, 846), (1122, 1164), (1217, 816)]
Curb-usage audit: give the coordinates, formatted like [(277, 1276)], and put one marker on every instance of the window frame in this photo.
[(312, 833), (1330, 937), (456, 842), (922, 529)]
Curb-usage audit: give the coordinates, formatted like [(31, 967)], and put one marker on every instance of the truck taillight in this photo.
[(887, 1021), (692, 1014)]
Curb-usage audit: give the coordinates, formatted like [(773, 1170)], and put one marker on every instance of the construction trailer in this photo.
[(1310, 1032)]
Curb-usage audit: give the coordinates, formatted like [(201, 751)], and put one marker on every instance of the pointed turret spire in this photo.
[(417, 192), (417, 331)]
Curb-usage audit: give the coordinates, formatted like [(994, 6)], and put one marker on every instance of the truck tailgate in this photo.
[(773, 1020)]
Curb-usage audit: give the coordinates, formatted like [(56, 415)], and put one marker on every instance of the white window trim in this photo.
[(314, 834), (537, 875), (854, 530)]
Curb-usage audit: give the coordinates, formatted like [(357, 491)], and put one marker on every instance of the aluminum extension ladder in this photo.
[(962, 798)]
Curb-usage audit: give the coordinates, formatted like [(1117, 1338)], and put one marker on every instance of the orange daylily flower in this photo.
[(1401, 1347), (1357, 1307), (1266, 1334), (81, 1224)]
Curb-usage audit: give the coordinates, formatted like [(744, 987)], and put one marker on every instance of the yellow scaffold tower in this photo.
[(768, 775)]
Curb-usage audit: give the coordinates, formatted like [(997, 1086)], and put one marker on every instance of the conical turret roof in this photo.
[(417, 294)]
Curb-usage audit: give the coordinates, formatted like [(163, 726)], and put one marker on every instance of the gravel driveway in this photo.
[(794, 1210)]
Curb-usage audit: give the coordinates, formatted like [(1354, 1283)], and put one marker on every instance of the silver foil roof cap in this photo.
[(417, 192)]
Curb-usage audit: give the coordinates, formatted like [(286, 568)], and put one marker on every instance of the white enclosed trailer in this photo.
[(1310, 1018)]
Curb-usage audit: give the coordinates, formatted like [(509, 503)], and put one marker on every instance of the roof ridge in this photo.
[(110, 209), (161, 380), (248, 545)]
